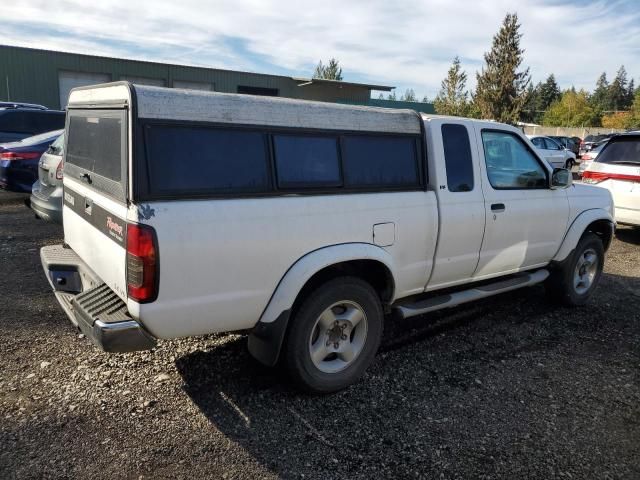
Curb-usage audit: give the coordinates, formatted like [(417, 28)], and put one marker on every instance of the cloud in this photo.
[(408, 44)]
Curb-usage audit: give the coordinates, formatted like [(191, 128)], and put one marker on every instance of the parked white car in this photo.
[(553, 152), (589, 157), (188, 213), (617, 168)]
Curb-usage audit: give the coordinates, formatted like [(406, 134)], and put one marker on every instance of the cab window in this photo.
[(510, 164)]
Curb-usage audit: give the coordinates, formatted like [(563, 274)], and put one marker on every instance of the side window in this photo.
[(538, 142), (198, 160), (457, 157), (551, 145), (372, 161), (510, 164), (307, 161)]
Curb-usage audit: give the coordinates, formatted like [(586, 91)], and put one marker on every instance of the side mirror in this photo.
[(561, 178)]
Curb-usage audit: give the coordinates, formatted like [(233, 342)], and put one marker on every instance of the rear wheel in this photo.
[(334, 335), (574, 282)]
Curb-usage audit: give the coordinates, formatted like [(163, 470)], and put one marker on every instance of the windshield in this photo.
[(621, 150)]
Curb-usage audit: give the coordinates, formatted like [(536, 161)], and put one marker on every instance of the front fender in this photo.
[(300, 272), (578, 227)]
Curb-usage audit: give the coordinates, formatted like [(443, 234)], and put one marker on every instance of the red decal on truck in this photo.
[(114, 226)]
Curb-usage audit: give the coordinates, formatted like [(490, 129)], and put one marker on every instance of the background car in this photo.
[(567, 142), (617, 168), (589, 157), (553, 152), (593, 140), (19, 161), (22, 120), (46, 194)]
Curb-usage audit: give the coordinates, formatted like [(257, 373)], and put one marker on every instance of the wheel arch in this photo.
[(369, 262), (597, 221)]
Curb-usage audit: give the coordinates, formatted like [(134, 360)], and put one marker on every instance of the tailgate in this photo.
[(95, 206)]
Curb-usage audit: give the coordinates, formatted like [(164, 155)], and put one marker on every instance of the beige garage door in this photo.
[(68, 80)]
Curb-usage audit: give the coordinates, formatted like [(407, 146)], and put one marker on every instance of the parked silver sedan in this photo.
[(46, 194)]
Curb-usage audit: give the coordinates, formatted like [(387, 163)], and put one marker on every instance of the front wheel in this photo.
[(574, 282), (334, 335)]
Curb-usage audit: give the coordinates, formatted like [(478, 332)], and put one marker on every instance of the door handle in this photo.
[(497, 207)]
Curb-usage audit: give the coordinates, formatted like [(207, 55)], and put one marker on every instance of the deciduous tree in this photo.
[(572, 110)]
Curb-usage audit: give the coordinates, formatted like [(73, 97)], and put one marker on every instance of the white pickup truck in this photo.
[(303, 223)]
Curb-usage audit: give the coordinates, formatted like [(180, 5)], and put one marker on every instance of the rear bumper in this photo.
[(91, 305), (47, 205), (628, 216)]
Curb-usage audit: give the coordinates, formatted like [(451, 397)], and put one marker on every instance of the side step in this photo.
[(476, 293)]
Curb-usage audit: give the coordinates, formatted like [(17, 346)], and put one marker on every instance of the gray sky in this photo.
[(406, 44)]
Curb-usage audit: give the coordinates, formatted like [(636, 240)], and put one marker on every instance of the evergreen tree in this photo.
[(531, 110), (453, 98), (501, 91), (425, 99), (392, 96), (549, 92), (618, 93), (600, 97), (409, 96), (332, 71), (631, 92)]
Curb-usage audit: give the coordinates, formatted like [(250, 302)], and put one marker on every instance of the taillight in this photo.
[(59, 170), (142, 263), (19, 155), (594, 177), (597, 177)]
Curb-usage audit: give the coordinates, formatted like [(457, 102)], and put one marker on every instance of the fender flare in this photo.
[(266, 338), (578, 227), (307, 266)]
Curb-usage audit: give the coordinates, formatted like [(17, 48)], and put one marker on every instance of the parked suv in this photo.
[(21, 120), (46, 193), (617, 168), (188, 212)]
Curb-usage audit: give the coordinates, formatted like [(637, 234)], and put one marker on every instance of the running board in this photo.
[(514, 282)]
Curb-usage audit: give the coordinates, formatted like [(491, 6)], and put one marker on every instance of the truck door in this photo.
[(460, 199), (525, 219)]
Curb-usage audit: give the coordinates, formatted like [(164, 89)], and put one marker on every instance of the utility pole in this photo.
[(8, 91)]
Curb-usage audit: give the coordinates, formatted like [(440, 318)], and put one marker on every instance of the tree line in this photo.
[(504, 91)]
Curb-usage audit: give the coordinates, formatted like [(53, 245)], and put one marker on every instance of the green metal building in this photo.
[(45, 77)]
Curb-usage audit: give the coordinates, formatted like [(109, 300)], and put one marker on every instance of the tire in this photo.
[(342, 351), (574, 282)]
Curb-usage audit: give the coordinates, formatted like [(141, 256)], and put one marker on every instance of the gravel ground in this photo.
[(507, 388)]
